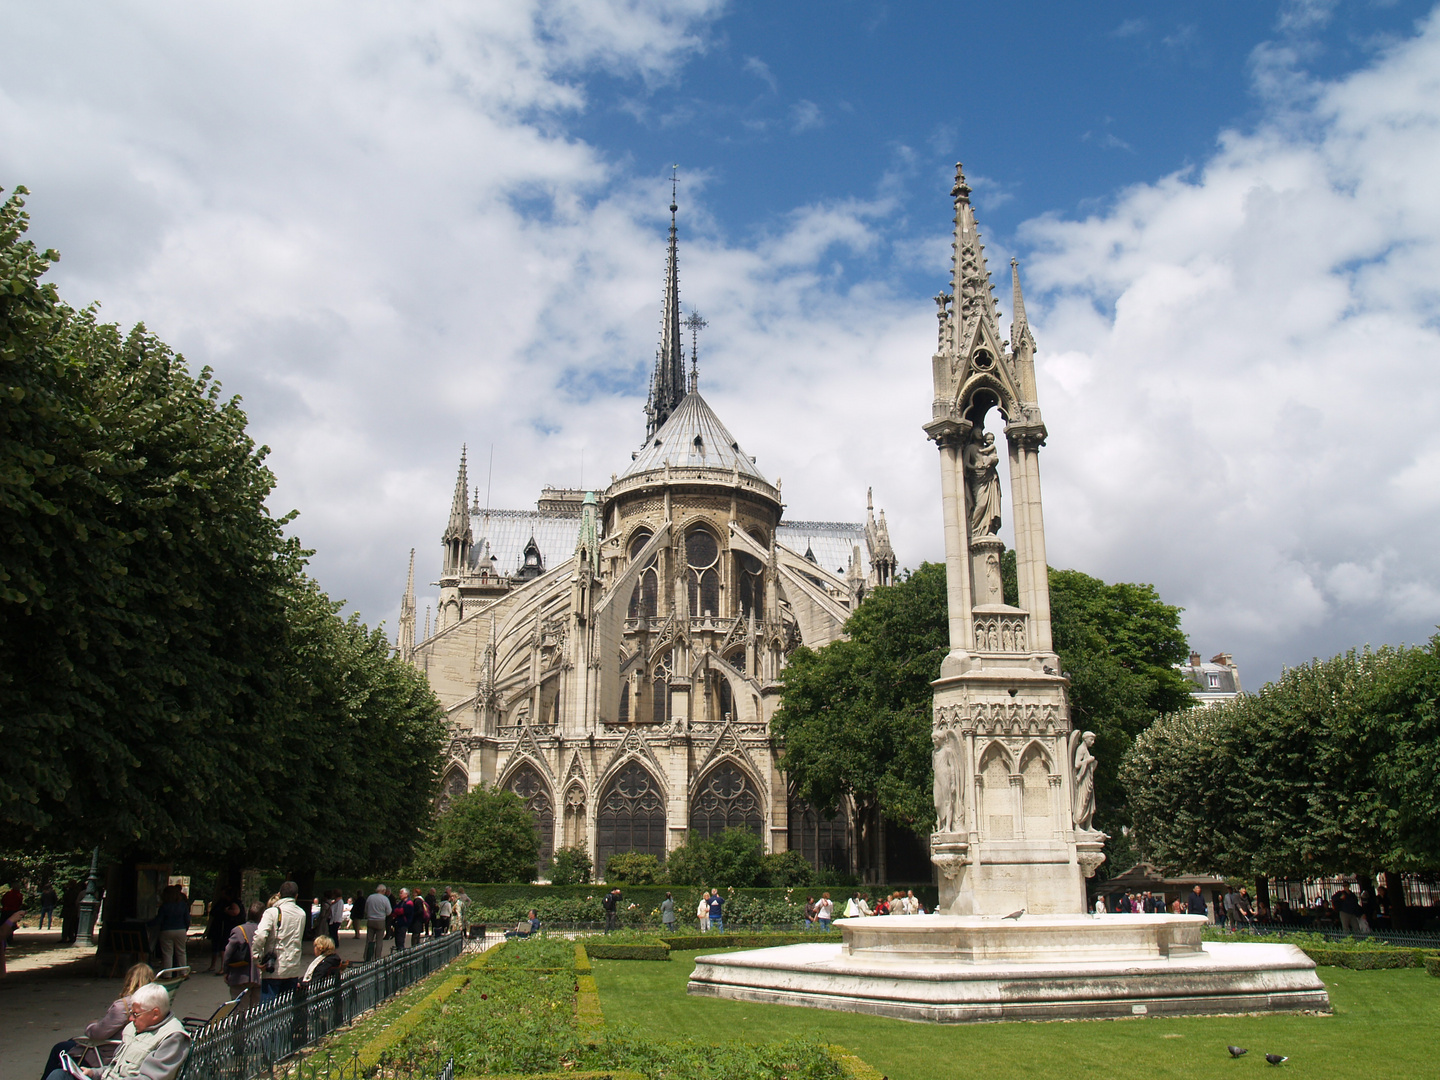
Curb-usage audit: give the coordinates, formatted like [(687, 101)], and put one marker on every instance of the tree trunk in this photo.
[(1262, 891)]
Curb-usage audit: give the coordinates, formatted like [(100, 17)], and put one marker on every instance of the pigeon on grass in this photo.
[(1276, 1059), (1237, 1051)]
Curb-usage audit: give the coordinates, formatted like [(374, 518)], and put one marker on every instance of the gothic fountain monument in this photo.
[(1014, 782)]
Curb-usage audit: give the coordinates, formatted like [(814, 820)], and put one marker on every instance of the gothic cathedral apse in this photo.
[(612, 656)]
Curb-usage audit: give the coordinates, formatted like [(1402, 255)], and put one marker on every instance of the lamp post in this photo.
[(90, 903)]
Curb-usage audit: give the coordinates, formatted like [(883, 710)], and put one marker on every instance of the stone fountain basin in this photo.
[(1030, 939)]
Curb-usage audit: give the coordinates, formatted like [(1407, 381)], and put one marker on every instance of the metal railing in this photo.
[(249, 1043)]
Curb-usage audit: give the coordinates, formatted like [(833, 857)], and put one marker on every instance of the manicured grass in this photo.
[(1385, 1024)]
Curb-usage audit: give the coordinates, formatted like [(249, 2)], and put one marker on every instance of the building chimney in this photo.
[(1194, 659), (1224, 659)]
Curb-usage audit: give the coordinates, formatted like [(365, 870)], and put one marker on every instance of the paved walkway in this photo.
[(50, 992)]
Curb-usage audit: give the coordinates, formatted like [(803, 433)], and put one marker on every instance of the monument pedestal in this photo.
[(945, 969)]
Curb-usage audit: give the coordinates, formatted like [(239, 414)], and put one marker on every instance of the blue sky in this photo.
[(397, 229), (1054, 107)]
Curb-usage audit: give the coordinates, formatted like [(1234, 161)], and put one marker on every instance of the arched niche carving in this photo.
[(1038, 798), (631, 814), (997, 797), (574, 826), (526, 782), (727, 797)]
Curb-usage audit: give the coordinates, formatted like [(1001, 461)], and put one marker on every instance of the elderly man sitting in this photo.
[(153, 1045)]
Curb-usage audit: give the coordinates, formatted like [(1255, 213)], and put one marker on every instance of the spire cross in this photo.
[(695, 322)]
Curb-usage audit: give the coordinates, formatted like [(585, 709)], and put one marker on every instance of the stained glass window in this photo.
[(645, 598), (702, 553), (632, 815), (526, 783), (750, 584), (822, 839), (727, 798), (454, 785)]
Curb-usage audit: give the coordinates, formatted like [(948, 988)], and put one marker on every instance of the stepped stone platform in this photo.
[(946, 969)]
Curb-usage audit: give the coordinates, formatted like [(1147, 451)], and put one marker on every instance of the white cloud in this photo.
[(1239, 372), (376, 224), (805, 116)]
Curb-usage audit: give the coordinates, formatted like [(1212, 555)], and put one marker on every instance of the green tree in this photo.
[(855, 717), (486, 835), (141, 578), (633, 868), (170, 681), (1332, 769), (570, 866)]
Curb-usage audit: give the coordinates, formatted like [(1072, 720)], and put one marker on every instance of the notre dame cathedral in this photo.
[(613, 656)]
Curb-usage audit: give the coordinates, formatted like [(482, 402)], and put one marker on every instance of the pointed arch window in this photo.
[(726, 799), (660, 689), (702, 553), (527, 783), (645, 597), (454, 785), (631, 815), (750, 584), (821, 838)]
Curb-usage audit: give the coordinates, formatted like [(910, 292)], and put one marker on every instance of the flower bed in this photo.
[(529, 1009)]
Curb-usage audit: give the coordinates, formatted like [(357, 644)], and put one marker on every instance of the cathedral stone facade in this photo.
[(613, 656)]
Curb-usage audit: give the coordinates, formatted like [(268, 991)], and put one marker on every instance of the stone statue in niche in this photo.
[(949, 789), (982, 484), (1084, 763)]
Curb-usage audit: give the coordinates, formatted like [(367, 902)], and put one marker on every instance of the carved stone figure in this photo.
[(982, 485), (1084, 763), (949, 785)]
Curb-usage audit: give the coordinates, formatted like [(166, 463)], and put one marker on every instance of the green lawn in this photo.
[(1385, 1025)]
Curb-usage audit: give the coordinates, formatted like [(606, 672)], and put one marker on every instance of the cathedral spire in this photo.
[(667, 385), (405, 642), (457, 537), (974, 299)]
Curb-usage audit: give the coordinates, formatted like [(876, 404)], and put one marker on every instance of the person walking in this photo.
[(444, 913), (376, 911), (1196, 901), (402, 917), (702, 912), (1232, 899), (335, 914), (825, 911), (225, 915), (611, 904), (280, 931), (667, 912), (173, 923), (461, 914), (240, 962), (810, 909), (48, 900), (717, 911)]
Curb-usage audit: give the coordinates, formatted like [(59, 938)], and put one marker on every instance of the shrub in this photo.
[(632, 868), (785, 868), (486, 834), (1432, 965), (570, 866), (635, 948)]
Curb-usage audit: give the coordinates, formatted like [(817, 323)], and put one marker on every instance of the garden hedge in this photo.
[(1369, 959), (1432, 965), (748, 941), (640, 948)]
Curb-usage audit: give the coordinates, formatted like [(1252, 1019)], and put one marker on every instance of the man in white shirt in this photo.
[(377, 910), (281, 931)]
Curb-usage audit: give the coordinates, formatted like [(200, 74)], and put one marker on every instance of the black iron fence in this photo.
[(249, 1044)]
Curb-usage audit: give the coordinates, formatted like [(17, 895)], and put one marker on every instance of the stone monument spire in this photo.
[(667, 384), (1014, 789)]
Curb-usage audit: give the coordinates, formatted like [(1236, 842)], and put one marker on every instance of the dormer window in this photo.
[(1213, 679)]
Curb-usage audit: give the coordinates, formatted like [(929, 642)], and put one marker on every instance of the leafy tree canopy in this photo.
[(170, 680), (856, 715), (486, 835), (1333, 769)]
